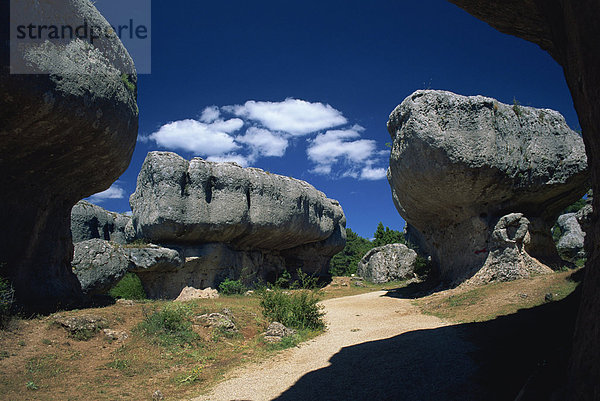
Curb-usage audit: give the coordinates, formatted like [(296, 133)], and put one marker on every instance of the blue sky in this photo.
[(304, 88)]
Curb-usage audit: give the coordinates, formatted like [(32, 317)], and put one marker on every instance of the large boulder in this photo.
[(68, 131), (100, 264), (458, 164), (90, 221), (570, 243), (229, 221), (570, 33), (388, 263)]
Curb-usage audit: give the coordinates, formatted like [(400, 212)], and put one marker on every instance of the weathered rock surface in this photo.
[(570, 32), (508, 258), (217, 321), (191, 293), (388, 263), (83, 326), (66, 133), (201, 201), (100, 264), (90, 221), (277, 331), (229, 221), (458, 164), (570, 244)]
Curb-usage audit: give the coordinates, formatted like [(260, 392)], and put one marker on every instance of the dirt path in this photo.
[(373, 320)]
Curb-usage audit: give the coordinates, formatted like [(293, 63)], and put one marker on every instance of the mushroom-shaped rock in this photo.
[(68, 130), (458, 164), (229, 221)]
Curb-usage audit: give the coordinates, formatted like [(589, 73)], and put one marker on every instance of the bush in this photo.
[(129, 287), (6, 301), (231, 287), (169, 326), (299, 310)]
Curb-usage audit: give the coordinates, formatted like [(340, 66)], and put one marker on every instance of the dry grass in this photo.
[(477, 304)]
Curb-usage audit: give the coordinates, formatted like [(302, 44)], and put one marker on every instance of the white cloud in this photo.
[(293, 116), (345, 147), (114, 192), (209, 139), (210, 114), (264, 142), (243, 161), (369, 173)]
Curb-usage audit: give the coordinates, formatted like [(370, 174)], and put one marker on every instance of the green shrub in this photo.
[(6, 301), (422, 267), (129, 287), (299, 310), (169, 326), (283, 281), (307, 281), (231, 287)]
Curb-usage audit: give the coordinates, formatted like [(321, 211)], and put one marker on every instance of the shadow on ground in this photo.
[(476, 361)]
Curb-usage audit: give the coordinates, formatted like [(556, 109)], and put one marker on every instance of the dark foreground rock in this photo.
[(67, 132), (388, 263), (459, 164), (570, 33)]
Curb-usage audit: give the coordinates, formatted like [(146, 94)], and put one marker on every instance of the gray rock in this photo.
[(201, 201), (508, 258), (82, 327), (218, 321), (584, 217), (277, 331), (67, 133), (570, 245), (230, 221), (90, 221), (388, 263), (100, 264), (458, 164)]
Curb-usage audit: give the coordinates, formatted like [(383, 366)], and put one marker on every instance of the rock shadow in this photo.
[(489, 361)]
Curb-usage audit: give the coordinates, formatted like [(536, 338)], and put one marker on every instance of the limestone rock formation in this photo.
[(68, 131), (229, 221), (388, 263), (458, 164), (570, 244), (507, 258), (201, 201), (90, 221), (570, 32), (100, 264)]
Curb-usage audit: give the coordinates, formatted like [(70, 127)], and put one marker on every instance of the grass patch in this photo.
[(169, 326), (464, 305), (129, 287)]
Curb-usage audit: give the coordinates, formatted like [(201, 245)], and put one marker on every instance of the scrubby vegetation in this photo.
[(299, 309), (170, 325), (6, 301), (129, 287), (232, 287)]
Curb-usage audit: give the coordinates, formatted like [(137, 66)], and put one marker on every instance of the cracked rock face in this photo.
[(570, 244), (67, 132), (458, 164), (89, 221), (388, 263), (229, 221)]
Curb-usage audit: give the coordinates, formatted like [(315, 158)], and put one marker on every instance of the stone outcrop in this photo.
[(570, 243), (229, 221), (100, 264), (388, 263), (507, 258), (570, 33), (458, 164), (68, 131), (90, 221)]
